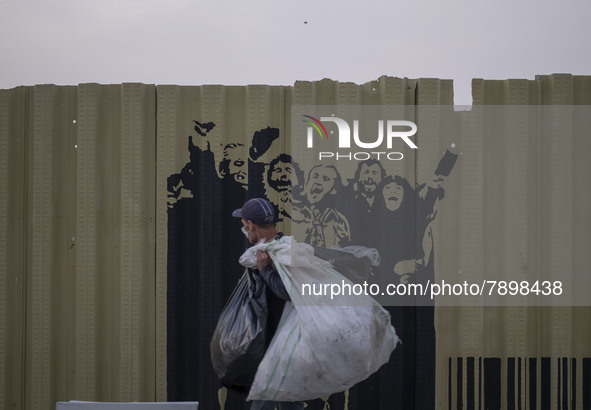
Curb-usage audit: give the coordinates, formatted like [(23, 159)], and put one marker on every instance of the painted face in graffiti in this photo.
[(280, 176), (393, 195), (321, 181), (234, 164), (369, 178)]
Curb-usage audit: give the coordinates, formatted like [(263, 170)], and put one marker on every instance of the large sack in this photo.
[(323, 345)]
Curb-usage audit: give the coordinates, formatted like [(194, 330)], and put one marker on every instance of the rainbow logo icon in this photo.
[(318, 126)]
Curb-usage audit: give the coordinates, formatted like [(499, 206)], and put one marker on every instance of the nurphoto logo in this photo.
[(387, 132)]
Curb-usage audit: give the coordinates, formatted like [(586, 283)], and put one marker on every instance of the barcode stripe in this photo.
[(565, 383), (492, 387), (573, 378), (480, 383), (470, 383), (533, 394), (587, 384), (449, 383), (460, 382), (546, 385), (511, 383), (519, 383), (558, 390)]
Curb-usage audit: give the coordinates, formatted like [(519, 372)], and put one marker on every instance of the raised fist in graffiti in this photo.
[(261, 141)]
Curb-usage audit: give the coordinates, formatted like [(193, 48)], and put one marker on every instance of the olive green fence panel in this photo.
[(86, 194)]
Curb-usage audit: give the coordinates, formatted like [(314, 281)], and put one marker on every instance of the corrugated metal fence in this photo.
[(84, 232)]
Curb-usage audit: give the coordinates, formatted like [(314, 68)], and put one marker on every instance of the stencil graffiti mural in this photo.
[(373, 209)]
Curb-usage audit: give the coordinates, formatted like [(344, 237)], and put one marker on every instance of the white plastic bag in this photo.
[(323, 344)]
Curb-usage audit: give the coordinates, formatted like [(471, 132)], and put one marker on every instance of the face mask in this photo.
[(244, 231)]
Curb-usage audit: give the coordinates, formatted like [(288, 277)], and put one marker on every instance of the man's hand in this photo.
[(263, 259)]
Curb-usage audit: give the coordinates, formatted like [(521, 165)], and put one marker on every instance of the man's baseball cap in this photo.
[(258, 210)]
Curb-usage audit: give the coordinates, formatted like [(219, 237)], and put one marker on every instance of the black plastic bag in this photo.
[(239, 340)]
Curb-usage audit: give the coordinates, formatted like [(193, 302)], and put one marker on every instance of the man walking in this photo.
[(258, 224)]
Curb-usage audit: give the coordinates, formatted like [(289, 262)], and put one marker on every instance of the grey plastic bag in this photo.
[(239, 340)]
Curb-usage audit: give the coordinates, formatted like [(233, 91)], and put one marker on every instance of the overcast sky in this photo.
[(195, 42)]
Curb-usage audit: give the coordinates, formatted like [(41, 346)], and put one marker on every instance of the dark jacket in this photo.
[(276, 295)]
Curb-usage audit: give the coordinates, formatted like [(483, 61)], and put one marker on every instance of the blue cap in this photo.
[(258, 210)]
